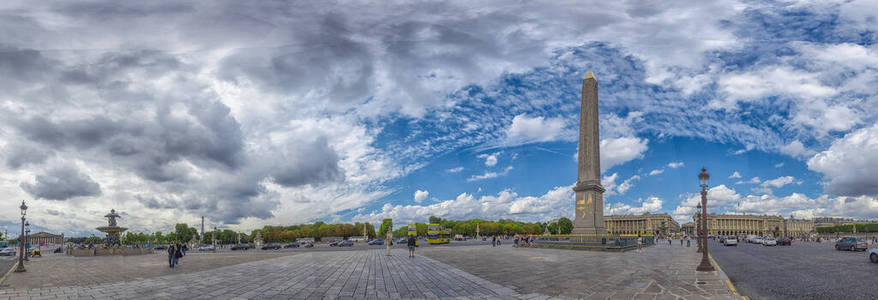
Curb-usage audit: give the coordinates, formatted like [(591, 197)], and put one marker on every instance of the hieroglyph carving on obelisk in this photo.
[(589, 192)]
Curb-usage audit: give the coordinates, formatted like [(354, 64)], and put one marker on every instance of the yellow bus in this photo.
[(437, 235)]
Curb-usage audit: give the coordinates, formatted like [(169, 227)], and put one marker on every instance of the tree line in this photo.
[(183, 233), (866, 227)]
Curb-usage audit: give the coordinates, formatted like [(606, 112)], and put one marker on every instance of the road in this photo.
[(363, 246), (805, 270)]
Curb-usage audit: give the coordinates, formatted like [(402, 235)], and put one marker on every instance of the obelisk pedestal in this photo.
[(589, 192)]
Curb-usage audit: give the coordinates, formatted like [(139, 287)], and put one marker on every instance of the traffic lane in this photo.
[(805, 270)]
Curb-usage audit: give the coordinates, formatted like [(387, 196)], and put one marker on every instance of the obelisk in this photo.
[(589, 192)]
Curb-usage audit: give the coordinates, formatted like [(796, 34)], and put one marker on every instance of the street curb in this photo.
[(2, 279), (726, 278)]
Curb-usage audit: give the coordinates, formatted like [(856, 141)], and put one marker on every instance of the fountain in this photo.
[(113, 231)]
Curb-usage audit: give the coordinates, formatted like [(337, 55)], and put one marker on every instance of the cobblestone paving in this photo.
[(659, 272), (61, 270), (804, 270), (315, 275)]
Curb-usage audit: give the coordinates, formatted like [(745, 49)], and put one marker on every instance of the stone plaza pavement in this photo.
[(500, 273), (310, 275), (658, 272)]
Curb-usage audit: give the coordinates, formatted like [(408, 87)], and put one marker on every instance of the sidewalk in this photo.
[(658, 272)]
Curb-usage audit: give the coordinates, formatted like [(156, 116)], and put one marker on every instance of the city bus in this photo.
[(437, 235)]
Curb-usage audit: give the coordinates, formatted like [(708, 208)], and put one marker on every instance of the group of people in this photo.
[(526, 241), (175, 252), (495, 240)]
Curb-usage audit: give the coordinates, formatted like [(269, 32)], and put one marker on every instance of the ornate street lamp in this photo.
[(20, 267), (698, 230), (27, 238), (704, 179)]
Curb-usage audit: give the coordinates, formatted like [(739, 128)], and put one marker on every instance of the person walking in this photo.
[(171, 253), (681, 241), (411, 244), (638, 243), (178, 253), (494, 241), (185, 248), (530, 240)]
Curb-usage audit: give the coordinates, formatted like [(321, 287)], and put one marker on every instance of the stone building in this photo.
[(689, 228), (757, 225), (655, 224), (43, 238)]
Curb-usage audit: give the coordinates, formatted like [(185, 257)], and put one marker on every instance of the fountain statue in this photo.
[(113, 231)]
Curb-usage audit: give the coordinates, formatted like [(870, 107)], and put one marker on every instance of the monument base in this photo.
[(589, 231), (592, 242)]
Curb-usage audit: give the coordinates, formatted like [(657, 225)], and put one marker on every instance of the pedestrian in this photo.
[(498, 240), (185, 248), (530, 240), (171, 253), (688, 242), (638, 243), (494, 241), (681, 241), (411, 244), (178, 253), (669, 242)]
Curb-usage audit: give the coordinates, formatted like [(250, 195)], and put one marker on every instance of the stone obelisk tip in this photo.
[(589, 75)]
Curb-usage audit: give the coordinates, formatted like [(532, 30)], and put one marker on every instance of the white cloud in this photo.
[(769, 81), (850, 164), (648, 205), (525, 130), (627, 184), (674, 165), (718, 198), (420, 196), (489, 175), (656, 172), (490, 159), (616, 151), (754, 180), (778, 165), (735, 175), (506, 204), (779, 182), (609, 184), (454, 170)]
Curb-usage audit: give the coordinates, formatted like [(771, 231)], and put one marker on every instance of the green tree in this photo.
[(435, 220), (566, 225), (386, 225)]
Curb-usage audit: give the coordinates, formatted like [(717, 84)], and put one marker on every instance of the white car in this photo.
[(873, 255), (7, 251), (769, 242), (730, 241)]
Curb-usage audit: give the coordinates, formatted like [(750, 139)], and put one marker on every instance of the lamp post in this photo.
[(214, 238), (27, 238), (21, 240), (698, 232), (704, 179)]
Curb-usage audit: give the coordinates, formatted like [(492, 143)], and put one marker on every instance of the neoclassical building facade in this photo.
[(44, 238), (757, 225), (655, 224)]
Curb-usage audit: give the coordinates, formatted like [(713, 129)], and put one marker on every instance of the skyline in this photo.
[(290, 113)]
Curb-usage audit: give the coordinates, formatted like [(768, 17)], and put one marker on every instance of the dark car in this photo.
[(272, 246), (161, 247), (784, 241), (376, 242), (345, 243), (851, 243), (308, 245), (241, 247), (333, 244), (291, 245)]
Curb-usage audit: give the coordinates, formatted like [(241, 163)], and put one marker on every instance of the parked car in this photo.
[(207, 248), (308, 245), (873, 255), (376, 242), (333, 244), (784, 241), (851, 243), (769, 242), (291, 245), (345, 243), (243, 247), (161, 247), (7, 251), (271, 246), (730, 241)]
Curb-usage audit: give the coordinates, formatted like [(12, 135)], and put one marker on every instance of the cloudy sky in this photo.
[(284, 113)]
